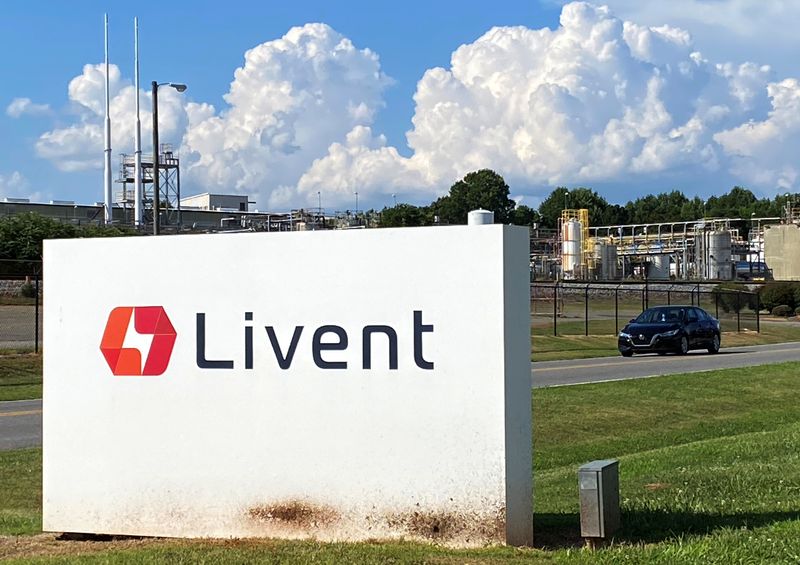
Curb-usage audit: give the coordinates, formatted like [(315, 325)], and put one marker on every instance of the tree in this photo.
[(551, 207), (653, 208), (405, 215), (480, 189), (21, 235), (524, 216)]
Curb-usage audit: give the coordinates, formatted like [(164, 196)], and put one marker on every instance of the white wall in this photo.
[(442, 453)]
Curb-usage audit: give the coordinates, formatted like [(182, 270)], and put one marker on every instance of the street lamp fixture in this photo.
[(156, 188)]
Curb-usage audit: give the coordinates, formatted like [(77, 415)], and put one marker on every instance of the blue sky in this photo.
[(695, 131)]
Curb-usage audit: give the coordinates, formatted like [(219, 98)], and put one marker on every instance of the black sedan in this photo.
[(666, 329)]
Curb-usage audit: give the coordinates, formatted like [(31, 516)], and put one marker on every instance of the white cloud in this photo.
[(595, 100), (290, 100), (726, 30), (25, 106), (79, 146), (15, 185), (765, 152)]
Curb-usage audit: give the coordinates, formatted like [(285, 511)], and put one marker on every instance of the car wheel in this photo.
[(626, 353), (714, 347), (683, 348)]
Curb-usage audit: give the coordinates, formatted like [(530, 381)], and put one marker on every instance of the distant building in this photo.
[(221, 202), (782, 251)]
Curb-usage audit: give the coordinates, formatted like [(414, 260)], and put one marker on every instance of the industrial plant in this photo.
[(709, 249)]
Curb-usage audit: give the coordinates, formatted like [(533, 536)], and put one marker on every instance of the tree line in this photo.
[(21, 238), (486, 189), (21, 235)]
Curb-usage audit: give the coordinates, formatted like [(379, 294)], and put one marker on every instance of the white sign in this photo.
[(341, 385)]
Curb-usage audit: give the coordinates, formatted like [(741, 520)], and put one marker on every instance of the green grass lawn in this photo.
[(16, 301), (20, 492), (20, 376), (709, 473)]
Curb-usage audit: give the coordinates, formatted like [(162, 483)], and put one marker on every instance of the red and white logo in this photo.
[(127, 361)]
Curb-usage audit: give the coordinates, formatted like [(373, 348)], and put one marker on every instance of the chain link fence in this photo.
[(20, 306), (557, 308), (573, 308)]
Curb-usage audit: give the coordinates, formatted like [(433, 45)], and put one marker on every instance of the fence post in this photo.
[(716, 304), (643, 306), (668, 298), (555, 309), (36, 314), (738, 310), (586, 311), (616, 310), (758, 313)]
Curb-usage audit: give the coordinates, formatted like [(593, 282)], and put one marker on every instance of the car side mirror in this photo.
[(632, 321)]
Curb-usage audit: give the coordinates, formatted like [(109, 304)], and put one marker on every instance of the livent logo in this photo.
[(146, 320)]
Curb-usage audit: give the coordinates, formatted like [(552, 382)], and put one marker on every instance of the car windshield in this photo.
[(660, 315)]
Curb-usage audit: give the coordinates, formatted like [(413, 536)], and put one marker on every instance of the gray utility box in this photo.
[(598, 483)]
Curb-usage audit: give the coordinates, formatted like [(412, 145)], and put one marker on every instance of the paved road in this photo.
[(20, 424), (21, 421), (578, 371)]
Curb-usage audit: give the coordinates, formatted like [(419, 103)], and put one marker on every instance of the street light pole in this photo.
[(394, 197), (156, 188)]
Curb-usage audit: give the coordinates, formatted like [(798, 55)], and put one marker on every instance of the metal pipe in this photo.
[(137, 135), (109, 213)]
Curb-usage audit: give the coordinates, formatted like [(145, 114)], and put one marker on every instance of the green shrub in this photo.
[(27, 290), (797, 311), (731, 297), (782, 310), (777, 294)]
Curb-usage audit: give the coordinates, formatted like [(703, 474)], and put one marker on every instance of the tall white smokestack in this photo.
[(137, 152), (107, 164)]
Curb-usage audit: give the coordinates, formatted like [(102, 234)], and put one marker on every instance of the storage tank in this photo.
[(571, 253), (480, 218), (610, 263), (606, 256), (659, 267), (719, 263)]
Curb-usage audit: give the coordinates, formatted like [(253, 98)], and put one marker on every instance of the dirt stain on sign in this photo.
[(458, 526), (298, 514)]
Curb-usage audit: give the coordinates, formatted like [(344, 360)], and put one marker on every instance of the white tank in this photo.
[(720, 266), (659, 267), (571, 254), (480, 218)]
